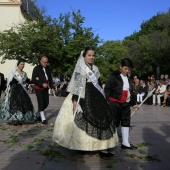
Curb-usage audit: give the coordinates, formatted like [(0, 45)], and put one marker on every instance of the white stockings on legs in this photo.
[(125, 136), (42, 115)]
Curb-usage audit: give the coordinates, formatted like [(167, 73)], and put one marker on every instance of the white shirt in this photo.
[(45, 74)]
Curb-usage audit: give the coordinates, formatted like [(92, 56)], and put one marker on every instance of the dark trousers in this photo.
[(122, 113), (42, 99)]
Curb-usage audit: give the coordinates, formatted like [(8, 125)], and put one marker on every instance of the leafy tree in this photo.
[(149, 48), (61, 40), (111, 53)]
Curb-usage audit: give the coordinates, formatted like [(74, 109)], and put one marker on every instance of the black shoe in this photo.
[(132, 147), (111, 152), (38, 118), (19, 123), (104, 154), (14, 123), (44, 122)]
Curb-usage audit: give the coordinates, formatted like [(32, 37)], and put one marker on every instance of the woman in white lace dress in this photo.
[(85, 121)]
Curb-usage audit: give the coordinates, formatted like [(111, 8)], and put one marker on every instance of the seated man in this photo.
[(159, 93)]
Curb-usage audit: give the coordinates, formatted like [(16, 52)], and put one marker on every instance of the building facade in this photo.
[(12, 13)]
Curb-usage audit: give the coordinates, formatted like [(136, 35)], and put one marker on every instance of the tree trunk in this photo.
[(158, 72)]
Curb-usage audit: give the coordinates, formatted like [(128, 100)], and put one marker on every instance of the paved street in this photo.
[(30, 146)]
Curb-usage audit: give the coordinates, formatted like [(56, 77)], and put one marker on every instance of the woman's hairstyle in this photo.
[(87, 49), (162, 81), (126, 62), (20, 61)]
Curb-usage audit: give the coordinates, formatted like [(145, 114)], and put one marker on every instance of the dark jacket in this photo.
[(39, 72), (114, 86), (2, 83), (136, 88), (143, 90)]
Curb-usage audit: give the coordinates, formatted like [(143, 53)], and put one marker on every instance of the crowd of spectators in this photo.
[(143, 88)]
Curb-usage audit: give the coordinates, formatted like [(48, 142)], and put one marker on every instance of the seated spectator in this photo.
[(136, 87), (167, 81), (151, 85), (63, 89), (162, 77), (159, 93), (153, 77), (134, 79), (166, 76), (57, 80), (58, 88), (166, 94), (142, 92)]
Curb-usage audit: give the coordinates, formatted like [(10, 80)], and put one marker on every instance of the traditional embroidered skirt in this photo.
[(92, 128), (17, 106)]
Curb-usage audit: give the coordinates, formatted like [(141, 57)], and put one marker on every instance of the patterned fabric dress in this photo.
[(17, 105), (92, 128)]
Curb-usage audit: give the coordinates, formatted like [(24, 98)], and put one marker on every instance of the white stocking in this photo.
[(138, 98), (42, 116), (125, 136)]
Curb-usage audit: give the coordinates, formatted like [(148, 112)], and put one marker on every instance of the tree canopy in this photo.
[(62, 39)]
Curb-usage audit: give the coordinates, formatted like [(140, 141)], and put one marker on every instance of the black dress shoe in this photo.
[(111, 151), (44, 122), (104, 154), (38, 118), (132, 147)]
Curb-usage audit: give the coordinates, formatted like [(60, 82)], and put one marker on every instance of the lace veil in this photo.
[(11, 75), (77, 83)]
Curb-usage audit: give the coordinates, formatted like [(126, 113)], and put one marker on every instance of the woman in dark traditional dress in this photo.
[(85, 121), (17, 106)]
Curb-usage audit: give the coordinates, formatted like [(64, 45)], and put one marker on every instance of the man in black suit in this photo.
[(2, 83), (42, 79)]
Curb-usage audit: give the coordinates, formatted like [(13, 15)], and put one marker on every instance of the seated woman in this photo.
[(17, 106), (166, 94)]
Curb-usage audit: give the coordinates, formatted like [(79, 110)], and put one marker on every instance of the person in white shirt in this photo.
[(159, 93)]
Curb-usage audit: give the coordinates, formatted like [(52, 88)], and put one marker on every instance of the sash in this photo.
[(41, 87), (123, 98), (94, 80)]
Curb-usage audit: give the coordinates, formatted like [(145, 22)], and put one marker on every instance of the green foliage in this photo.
[(51, 154), (145, 158), (143, 144), (112, 165), (143, 153), (150, 47), (61, 40), (27, 147), (38, 139), (109, 57), (12, 139)]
